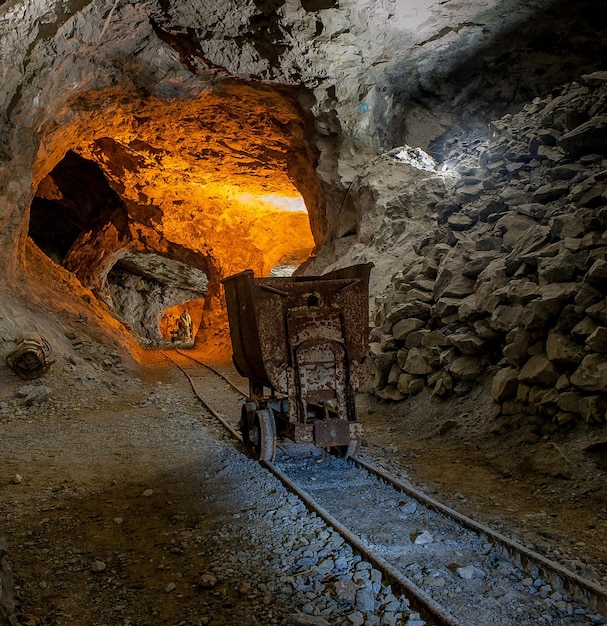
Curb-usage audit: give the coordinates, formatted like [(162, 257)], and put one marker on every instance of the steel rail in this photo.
[(422, 602), (428, 608), (202, 401), (215, 371), (584, 591)]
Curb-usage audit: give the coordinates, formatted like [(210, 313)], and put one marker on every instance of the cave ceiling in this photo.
[(201, 174), (228, 134)]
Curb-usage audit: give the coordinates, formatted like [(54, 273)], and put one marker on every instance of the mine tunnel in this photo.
[(206, 188), (426, 176)]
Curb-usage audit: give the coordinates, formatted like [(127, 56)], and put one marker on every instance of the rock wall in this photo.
[(141, 302), (388, 206), (368, 76), (512, 278), (340, 84)]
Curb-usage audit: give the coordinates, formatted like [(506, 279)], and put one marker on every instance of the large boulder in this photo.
[(450, 270), (516, 347), (515, 228), (467, 342), (416, 363), (467, 368), (597, 341), (563, 350), (597, 274), (592, 409), (539, 371), (504, 384), (589, 137), (591, 375), (404, 327), (505, 318), (598, 311), (518, 291)]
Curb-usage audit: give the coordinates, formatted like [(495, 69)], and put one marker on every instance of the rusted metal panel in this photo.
[(331, 432), (258, 309), (307, 338), (242, 317), (302, 433)]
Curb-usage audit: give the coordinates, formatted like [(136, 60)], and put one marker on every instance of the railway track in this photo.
[(454, 570)]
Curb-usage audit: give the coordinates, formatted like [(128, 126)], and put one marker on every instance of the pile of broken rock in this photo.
[(511, 282)]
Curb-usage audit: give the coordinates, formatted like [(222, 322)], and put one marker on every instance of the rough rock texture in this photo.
[(196, 130), (387, 207), (518, 288), (141, 303), (200, 116), (7, 599), (142, 287)]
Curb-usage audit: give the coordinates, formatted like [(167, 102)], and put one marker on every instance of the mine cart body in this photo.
[(304, 339)]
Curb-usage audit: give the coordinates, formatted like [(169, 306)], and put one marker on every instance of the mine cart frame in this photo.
[(302, 342)]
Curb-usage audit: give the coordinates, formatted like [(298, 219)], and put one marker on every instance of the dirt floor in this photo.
[(76, 468)]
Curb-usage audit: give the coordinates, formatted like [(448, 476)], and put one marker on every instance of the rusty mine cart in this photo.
[(304, 340)]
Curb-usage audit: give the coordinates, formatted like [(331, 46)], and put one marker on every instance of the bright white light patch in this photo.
[(280, 203), (417, 158), (283, 271)]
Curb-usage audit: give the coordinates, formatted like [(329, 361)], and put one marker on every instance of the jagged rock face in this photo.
[(142, 303), (512, 279), (148, 91), (205, 124), (142, 287), (187, 174), (386, 209)]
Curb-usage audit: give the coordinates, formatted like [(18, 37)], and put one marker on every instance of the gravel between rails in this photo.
[(356, 593), (450, 563)]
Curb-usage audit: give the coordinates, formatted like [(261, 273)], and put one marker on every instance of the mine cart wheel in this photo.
[(247, 414), (263, 435)]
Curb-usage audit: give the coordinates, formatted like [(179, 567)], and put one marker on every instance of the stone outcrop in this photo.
[(180, 104), (142, 287), (388, 206), (141, 302), (511, 282)]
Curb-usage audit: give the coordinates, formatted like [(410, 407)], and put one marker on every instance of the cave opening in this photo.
[(135, 187), (152, 293), (68, 202)]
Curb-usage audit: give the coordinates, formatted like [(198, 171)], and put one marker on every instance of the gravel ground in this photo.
[(448, 562), (120, 506)]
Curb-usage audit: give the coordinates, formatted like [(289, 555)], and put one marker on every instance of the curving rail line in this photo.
[(584, 591)]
